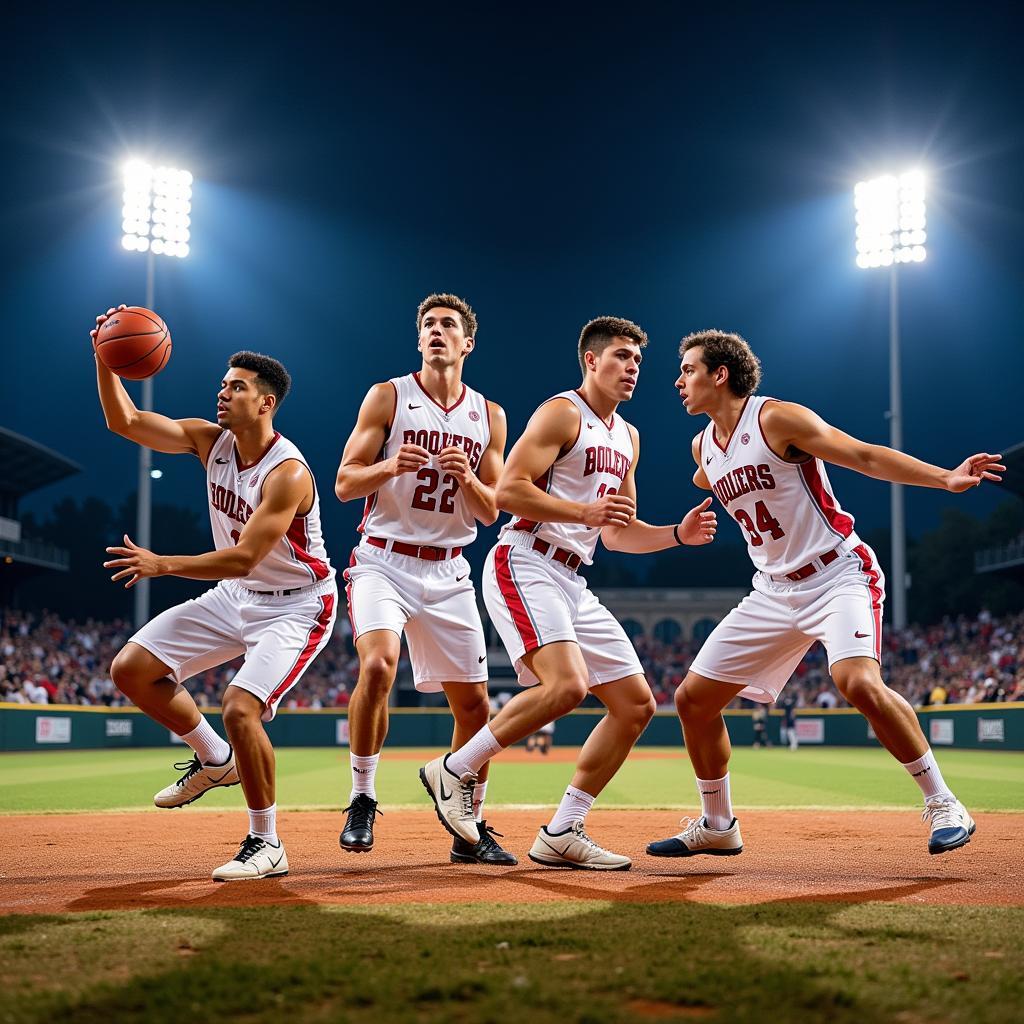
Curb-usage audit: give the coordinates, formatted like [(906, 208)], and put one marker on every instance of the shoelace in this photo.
[(580, 834), (363, 812), (691, 827), (942, 814), (486, 838), (251, 845), (189, 768)]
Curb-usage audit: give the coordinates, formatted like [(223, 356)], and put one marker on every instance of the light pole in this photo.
[(155, 220), (891, 231)]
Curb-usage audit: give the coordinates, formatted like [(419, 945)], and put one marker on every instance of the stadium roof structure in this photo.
[(26, 465)]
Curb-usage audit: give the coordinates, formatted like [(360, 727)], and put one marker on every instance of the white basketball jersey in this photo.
[(428, 507), (594, 466), (786, 510), (299, 558)]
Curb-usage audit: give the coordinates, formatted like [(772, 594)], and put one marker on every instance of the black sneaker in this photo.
[(357, 835), (486, 851)]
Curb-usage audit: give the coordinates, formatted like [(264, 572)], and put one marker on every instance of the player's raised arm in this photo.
[(788, 425), (479, 487), (361, 471), (553, 428), (287, 489), (149, 429), (697, 527)]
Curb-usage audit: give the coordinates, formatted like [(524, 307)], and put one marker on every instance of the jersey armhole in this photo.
[(764, 437)]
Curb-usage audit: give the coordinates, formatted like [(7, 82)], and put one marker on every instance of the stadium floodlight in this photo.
[(891, 222), (155, 220), (157, 204)]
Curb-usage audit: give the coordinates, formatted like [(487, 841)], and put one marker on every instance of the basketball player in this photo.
[(275, 603), (815, 580), (569, 480), (425, 453)]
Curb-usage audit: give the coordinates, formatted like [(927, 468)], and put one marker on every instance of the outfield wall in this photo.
[(56, 727)]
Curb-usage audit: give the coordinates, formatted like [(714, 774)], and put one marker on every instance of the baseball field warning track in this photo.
[(87, 862)]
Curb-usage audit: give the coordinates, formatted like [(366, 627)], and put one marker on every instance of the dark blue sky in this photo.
[(682, 170)]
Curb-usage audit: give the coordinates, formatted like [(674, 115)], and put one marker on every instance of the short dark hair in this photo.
[(597, 335), (271, 376), (731, 351), (446, 300)]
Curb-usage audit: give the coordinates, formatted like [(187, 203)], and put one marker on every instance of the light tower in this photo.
[(890, 232), (155, 221)]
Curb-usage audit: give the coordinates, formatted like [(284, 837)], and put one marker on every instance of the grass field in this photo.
[(581, 958), (319, 777)]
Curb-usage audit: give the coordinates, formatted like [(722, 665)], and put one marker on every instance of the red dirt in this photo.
[(84, 862)]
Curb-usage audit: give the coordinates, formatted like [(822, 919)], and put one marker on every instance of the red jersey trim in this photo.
[(238, 458), (444, 409), (608, 423), (863, 552), (735, 430), (514, 599), (837, 521), (313, 640), (297, 539)]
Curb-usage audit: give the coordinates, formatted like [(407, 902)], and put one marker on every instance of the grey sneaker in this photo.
[(573, 848), (198, 778), (699, 837), (453, 799), (256, 858)]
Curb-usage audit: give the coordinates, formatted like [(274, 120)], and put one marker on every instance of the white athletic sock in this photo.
[(479, 795), (925, 772), (364, 774), (716, 801), (263, 824), (573, 808), (208, 746), (469, 759)]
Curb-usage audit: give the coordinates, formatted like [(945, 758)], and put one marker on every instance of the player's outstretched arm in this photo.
[(149, 429), (362, 469), (478, 488), (552, 428), (638, 538), (288, 488), (787, 425)]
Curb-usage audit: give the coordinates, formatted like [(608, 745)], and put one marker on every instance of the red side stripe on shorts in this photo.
[(316, 634), (513, 599), (877, 596)]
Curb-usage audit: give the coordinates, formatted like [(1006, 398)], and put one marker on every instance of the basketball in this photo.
[(134, 343)]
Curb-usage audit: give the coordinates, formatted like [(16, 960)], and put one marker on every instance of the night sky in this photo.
[(685, 171)]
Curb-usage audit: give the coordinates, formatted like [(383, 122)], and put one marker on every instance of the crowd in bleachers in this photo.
[(47, 660)]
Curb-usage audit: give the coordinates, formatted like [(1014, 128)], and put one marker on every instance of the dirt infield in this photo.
[(86, 862)]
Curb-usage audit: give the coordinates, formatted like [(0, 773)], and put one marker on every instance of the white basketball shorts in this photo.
[(279, 636), (762, 640), (433, 603), (534, 601)]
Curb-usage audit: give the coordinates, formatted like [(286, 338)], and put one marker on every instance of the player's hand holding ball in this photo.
[(698, 525), (131, 341)]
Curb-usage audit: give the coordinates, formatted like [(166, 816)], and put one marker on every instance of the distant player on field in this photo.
[(815, 580), (569, 480), (425, 453), (276, 601)]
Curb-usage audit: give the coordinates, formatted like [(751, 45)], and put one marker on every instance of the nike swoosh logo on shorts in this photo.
[(861, 636), (459, 579), (481, 659)]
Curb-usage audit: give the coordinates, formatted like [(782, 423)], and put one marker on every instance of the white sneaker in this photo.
[(453, 799), (699, 837), (198, 778), (951, 825), (256, 858), (573, 848)]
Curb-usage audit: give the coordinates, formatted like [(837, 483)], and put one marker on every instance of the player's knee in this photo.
[(570, 694), (238, 715), (689, 708), (637, 715), (864, 690), (126, 672), (377, 673), (473, 710)]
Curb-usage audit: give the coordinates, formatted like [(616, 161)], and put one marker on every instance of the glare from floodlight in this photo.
[(891, 220), (157, 208), (156, 473)]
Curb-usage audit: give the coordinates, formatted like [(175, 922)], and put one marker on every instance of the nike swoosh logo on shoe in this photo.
[(278, 861), (444, 795), (224, 776)]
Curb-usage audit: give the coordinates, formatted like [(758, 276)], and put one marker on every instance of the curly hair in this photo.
[(271, 376), (448, 301), (597, 335), (720, 348)]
